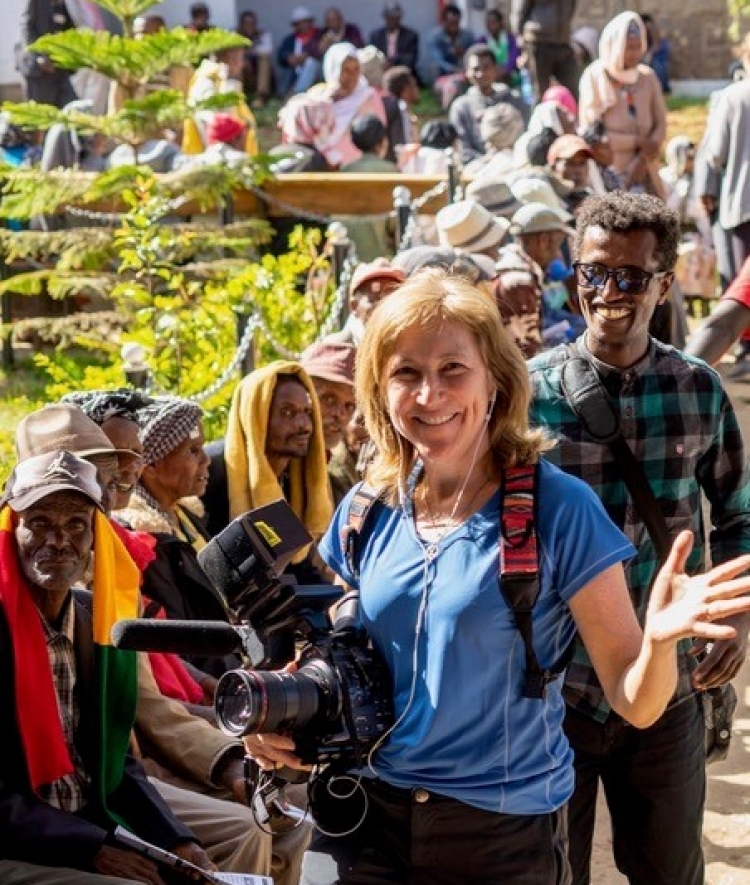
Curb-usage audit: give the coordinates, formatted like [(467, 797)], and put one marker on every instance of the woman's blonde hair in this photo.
[(425, 300)]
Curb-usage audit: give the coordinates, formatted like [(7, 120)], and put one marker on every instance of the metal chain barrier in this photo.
[(239, 355)]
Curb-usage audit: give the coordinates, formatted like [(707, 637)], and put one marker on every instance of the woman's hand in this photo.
[(273, 751), (683, 607)]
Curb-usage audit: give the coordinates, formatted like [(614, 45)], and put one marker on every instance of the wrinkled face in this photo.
[(437, 390), (633, 51), (290, 422), (617, 322), (108, 469), (356, 432), (481, 72), (184, 471), (124, 434), (54, 539), (336, 407), (349, 75), (575, 169)]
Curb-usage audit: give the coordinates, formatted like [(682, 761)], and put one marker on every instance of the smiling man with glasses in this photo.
[(676, 418)]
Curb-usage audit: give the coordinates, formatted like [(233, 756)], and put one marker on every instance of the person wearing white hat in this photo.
[(299, 69), (467, 226)]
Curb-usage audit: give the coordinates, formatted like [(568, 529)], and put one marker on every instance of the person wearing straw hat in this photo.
[(467, 226)]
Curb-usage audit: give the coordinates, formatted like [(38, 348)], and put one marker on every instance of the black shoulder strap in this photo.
[(359, 509), (598, 414)]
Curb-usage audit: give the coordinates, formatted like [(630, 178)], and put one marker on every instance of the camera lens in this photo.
[(248, 702)]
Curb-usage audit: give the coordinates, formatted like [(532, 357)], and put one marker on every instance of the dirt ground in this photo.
[(726, 831)]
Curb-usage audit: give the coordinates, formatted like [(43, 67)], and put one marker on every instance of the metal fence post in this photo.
[(402, 207)]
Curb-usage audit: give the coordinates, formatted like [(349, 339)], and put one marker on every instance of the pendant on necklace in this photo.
[(431, 552)]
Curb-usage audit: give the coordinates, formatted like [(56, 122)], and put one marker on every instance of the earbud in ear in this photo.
[(491, 406)]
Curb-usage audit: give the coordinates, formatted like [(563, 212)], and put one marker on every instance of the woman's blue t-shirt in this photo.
[(468, 733)]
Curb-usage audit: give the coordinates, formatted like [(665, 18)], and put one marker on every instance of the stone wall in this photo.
[(697, 31)]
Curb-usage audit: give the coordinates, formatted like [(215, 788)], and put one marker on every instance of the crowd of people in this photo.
[(456, 402)]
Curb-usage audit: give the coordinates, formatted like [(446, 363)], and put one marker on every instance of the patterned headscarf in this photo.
[(166, 423), (101, 405)]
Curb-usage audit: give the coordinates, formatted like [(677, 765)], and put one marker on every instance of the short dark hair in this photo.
[(621, 212), (451, 9), (479, 50), (440, 134), (367, 132), (396, 79), (537, 147), (199, 9)]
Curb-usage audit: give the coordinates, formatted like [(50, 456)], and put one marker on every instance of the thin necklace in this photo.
[(433, 544)]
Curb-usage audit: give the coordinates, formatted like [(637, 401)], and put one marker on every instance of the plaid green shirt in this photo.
[(677, 419)]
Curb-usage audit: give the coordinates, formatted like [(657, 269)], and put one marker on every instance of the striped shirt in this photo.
[(677, 419)]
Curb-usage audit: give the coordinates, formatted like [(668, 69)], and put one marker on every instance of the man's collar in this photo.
[(606, 368)]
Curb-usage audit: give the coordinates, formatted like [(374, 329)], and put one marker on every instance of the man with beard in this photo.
[(677, 419)]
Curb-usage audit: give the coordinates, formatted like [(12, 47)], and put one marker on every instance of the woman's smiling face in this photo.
[(438, 390)]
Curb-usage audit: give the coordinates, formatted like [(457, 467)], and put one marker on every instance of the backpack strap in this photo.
[(359, 509), (519, 570)]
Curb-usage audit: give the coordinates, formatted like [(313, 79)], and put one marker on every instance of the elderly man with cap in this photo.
[(196, 768), (66, 777), (299, 69), (371, 281), (330, 365)]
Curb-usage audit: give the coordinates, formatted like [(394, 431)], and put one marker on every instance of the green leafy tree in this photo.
[(182, 289)]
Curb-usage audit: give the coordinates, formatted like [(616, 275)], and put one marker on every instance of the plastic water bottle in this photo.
[(527, 88)]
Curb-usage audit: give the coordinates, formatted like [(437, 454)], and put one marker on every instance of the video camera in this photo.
[(338, 703)]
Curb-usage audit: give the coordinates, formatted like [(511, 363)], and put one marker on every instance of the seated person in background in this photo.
[(350, 458), (504, 47), (57, 807), (468, 227), (200, 18), (499, 129), (369, 136), (370, 283), (257, 73), (307, 124), (351, 96), (401, 93), (372, 67), (64, 147), (399, 44), (446, 45), (165, 504), (330, 366), (548, 116), (274, 448), (335, 30), (569, 157), (215, 76), (467, 110), (299, 67)]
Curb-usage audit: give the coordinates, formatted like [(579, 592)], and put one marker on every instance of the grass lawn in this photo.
[(22, 389)]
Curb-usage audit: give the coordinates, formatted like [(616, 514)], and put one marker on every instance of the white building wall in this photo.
[(273, 16)]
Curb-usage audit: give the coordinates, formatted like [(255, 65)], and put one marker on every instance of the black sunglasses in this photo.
[(629, 280)]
